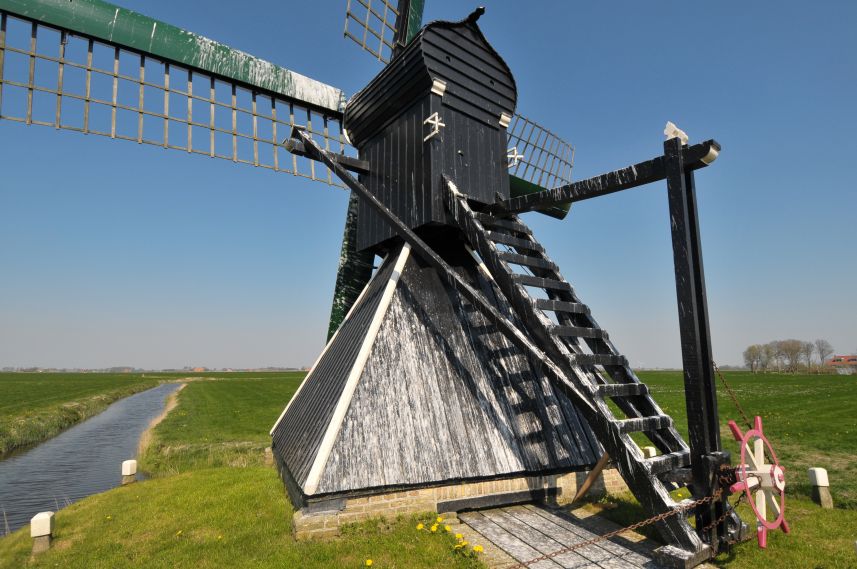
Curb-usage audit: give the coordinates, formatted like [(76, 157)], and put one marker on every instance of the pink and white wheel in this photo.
[(764, 483)]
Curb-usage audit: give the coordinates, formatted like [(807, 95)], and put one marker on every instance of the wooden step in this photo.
[(643, 424), (562, 306), (670, 461), (598, 360), (527, 261), (578, 332), (623, 389), (547, 284), (507, 224), (516, 242)]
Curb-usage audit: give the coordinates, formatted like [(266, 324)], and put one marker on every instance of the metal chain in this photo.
[(732, 395), (660, 517)]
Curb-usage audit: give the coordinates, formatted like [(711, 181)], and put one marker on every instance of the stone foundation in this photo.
[(310, 523)]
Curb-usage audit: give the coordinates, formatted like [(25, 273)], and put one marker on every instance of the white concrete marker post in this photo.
[(129, 471), (42, 531), (820, 487)]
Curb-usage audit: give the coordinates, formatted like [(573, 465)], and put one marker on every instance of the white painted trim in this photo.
[(324, 351), (505, 120), (438, 87), (344, 402)]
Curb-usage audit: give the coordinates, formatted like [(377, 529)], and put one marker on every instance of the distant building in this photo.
[(199, 369), (844, 365)]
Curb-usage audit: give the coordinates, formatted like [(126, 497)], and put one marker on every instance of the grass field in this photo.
[(37, 406), (810, 420), (202, 510), (220, 423)]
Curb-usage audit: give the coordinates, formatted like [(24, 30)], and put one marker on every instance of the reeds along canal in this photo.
[(84, 460)]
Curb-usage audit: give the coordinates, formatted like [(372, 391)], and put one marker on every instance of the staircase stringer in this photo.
[(632, 406)]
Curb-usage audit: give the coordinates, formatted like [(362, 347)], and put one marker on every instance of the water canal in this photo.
[(84, 460)]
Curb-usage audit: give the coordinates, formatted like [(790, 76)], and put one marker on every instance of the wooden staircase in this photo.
[(561, 325)]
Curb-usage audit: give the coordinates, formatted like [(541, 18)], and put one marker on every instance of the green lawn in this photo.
[(810, 420), (37, 406), (217, 518), (220, 423)]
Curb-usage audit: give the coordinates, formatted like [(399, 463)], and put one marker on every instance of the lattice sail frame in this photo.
[(375, 21), (537, 155), (51, 77)]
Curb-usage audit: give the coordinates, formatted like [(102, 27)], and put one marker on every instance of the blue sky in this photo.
[(117, 254)]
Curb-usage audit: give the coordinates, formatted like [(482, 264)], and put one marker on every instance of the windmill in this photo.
[(466, 356)]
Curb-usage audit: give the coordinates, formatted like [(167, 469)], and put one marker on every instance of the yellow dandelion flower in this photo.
[(464, 543), (420, 526), (478, 548), (434, 528), (368, 563), (219, 537), (439, 519), (108, 517), (447, 527), (458, 546), (458, 536)]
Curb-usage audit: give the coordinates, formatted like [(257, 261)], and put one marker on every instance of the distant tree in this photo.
[(823, 349), (791, 352), (806, 350), (767, 357), (752, 357), (777, 354)]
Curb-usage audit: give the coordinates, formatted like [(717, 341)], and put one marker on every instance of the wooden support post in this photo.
[(129, 472), (699, 385), (42, 531), (590, 479), (820, 487)]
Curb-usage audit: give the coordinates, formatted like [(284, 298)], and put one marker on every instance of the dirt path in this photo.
[(146, 437)]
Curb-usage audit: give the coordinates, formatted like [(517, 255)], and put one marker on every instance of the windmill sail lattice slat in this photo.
[(537, 155), (53, 77), (372, 25)]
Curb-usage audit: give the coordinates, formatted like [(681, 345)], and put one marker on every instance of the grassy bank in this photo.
[(809, 420), (37, 406), (222, 517), (220, 423)]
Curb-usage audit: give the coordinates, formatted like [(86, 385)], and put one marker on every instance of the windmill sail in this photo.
[(96, 68)]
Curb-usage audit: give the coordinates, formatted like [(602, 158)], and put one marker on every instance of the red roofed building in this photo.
[(844, 365)]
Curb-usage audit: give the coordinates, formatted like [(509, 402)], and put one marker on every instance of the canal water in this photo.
[(84, 460)]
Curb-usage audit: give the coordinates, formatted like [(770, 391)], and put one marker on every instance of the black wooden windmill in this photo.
[(466, 356)]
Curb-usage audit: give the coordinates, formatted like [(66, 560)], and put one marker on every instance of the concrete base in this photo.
[(129, 479), (324, 519), (821, 496), (41, 544)]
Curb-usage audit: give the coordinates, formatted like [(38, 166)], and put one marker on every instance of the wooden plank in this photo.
[(509, 543), (548, 538), (578, 530), (568, 534)]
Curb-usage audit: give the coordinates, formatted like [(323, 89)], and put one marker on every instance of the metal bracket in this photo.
[(513, 157), (435, 121)]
